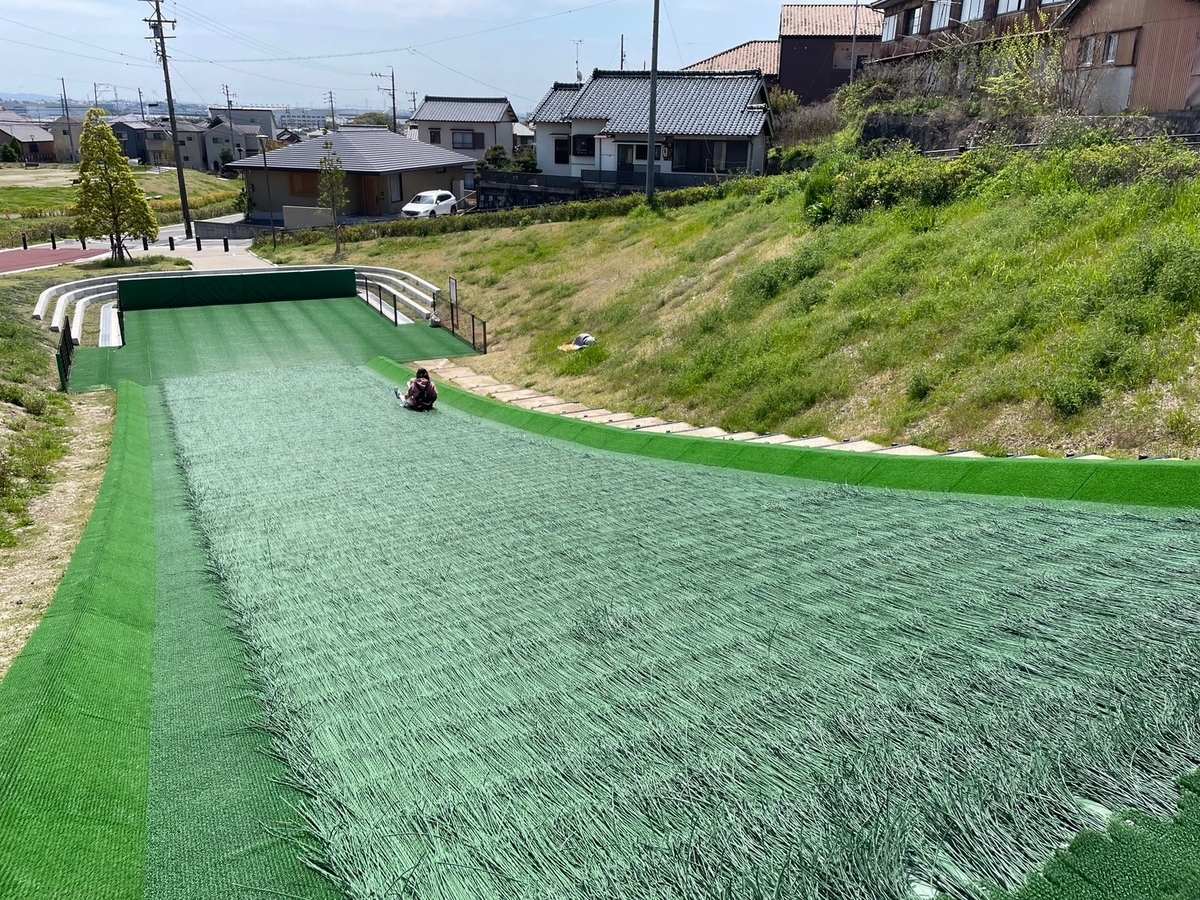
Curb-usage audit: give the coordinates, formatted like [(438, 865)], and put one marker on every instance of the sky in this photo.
[(514, 48)]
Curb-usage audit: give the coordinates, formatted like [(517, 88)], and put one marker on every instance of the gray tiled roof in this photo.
[(761, 55), (25, 132), (828, 20), (369, 152), (689, 103), (465, 109), (557, 101)]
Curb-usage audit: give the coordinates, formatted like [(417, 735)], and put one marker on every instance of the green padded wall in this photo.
[(197, 289)]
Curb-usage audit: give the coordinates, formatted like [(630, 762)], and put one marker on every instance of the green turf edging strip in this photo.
[(213, 784), (1169, 484), (75, 706)]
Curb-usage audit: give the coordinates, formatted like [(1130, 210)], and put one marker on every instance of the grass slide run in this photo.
[(128, 764), (510, 666), (75, 706)]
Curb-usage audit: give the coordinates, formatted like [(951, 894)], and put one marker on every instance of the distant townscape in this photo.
[(715, 119)]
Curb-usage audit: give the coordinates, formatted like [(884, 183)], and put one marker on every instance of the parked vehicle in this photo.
[(430, 204)]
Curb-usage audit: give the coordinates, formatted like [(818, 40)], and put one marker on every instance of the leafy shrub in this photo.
[(1105, 165), (920, 385)]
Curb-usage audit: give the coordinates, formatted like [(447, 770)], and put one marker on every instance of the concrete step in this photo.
[(640, 422), (964, 454), (908, 450), (856, 446), (814, 442)]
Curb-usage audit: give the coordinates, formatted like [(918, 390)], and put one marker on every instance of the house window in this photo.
[(33, 148), (972, 10), (583, 145), (189, 137), (187, 159), (435, 135), (1110, 49), (912, 20), (302, 184), (65, 132), (889, 28), (158, 136), (1009, 6), (1087, 52), (941, 15), (562, 152), (394, 180), (462, 140)]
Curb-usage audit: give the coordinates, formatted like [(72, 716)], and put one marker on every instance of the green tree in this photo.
[(524, 159), (244, 204), (495, 157), (1023, 70), (8, 154), (373, 118), (331, 190), (226, 158), (109, 202)]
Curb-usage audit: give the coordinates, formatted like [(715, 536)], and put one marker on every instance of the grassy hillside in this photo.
[(1003, 301), (34, 415)]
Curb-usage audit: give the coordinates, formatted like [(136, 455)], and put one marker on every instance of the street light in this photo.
[(262, 142)]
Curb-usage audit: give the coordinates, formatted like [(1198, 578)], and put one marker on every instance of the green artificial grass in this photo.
[(174, 343), (506, 665), (217, 814), (75, 706), (1143, 483)]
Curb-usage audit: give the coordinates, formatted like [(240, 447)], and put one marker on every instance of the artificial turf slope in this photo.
[(170, 343), (75, 706), (507, 666), (218, 821)]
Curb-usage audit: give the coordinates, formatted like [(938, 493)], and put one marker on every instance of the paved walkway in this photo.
[(211, 256), (487, 386), (42, 257)]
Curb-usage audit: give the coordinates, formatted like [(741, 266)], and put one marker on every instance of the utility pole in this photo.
[(160, 38), (141, 105), (412, 96), (854, 44), (650, 154), (67, 115), (622, 53), (95, 95), (578, 74), (395, 126), (332, 114), (229, 116)]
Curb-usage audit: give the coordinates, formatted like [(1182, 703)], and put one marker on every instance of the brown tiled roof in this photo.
[(761, 55), (828, 20)]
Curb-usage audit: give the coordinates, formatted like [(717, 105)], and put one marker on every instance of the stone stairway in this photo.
[(484, 385)]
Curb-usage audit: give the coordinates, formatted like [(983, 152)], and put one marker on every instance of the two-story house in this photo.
[(915, 27), (706, 124), (466, 125), (1133, 55)]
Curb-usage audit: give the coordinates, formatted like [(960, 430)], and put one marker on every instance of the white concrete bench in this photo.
[(110, 326), (81, 307)]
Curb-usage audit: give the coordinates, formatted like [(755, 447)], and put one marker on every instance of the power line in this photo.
[(415, 47), (63, 37), (673, 37), (468, 77), (113, 62), (221, 30)]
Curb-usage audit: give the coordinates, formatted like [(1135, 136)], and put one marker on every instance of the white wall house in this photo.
[(707, 123), (467, 125)]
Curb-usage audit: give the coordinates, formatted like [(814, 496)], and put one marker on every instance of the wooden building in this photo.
[(915, 27), (1134, 54)]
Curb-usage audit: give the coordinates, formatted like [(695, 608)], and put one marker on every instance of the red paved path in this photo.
[(16, 260)]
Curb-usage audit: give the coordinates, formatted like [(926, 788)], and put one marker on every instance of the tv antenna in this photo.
[(578, 74)]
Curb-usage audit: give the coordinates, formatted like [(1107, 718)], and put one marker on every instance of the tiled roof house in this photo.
[(761, 55), (821, 43), (383, 172), (467, 125), (705, 123)]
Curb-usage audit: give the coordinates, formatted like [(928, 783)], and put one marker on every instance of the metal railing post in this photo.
[(473, 331), (485, 338)]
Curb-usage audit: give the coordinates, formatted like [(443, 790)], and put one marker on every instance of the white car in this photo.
[(430, 204)]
